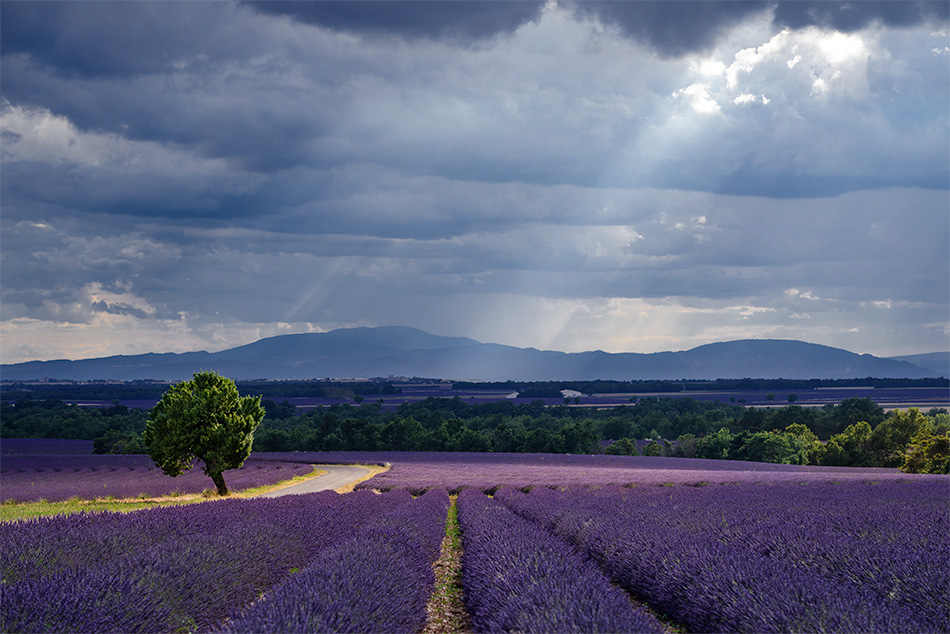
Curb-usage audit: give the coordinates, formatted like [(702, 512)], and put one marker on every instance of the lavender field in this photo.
[(786, 557), (454, 471), (549, 543), (57, 477), (177, 568)]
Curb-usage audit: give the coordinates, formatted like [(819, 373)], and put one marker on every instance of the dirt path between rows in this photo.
[(336, 477)]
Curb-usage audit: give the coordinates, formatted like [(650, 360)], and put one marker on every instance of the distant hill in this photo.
[(937, 361), (399, 351)]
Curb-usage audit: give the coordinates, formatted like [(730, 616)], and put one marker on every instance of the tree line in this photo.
[(855, 432), (115, 429)]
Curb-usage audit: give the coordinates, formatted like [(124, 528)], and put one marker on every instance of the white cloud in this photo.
[(819, 59), (698, 97), (794, 292), (840, 48), (38, 135), (746, 98), (747, 59)]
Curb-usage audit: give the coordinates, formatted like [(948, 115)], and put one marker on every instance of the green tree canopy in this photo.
[(928, 453), (766, 446), (716, 446), (850, 448), (806, 447), (891, 437), (622, 447), (203, 419)]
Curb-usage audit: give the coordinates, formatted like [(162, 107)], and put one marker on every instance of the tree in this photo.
[(766, 446), (408, 434), (203, 419), (928, 453), (850, 448), (622, 447), (685, 446), (805, 445), (579, 437), (890, 438), (716, 446), (854, 410)]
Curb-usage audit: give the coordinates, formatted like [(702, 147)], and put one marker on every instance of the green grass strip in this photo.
[(446, 609)]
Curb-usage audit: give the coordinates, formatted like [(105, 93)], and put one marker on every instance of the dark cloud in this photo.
[(97, 39), (671, 28), (462, 21), (118, 308), (853, 16), (678, 27)]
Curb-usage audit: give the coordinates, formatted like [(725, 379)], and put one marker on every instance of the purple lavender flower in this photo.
[(777, 558), (520, 578), (167, 568), (377, 581)]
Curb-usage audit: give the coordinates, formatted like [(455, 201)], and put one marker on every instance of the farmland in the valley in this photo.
[(308, 395), (548, 543)]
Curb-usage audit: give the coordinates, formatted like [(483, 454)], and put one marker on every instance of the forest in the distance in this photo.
[(854, 432)]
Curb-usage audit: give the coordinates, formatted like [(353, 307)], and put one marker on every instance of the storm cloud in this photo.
[(625, 176), (464, 21)]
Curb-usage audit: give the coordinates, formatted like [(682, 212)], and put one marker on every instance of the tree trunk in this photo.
[(218, 479)]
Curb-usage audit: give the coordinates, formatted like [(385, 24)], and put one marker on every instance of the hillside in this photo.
[(937, 361), (399, 351)]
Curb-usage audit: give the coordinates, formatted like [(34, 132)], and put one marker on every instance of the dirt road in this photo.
[(335, 478)]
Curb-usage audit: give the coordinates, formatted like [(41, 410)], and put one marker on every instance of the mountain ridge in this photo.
[(937, 361), (401, 351)]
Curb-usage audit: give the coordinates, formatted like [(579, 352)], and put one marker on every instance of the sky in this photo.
[(617, 176)]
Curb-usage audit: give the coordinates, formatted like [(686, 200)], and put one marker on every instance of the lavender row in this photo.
[(782, 558), (170, 568), (45, 545), (57, 478), (518, 577), (377, 581)]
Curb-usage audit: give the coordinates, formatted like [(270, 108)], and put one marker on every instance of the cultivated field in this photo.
[(60, 477), (888, 398), (548, 543), (454, 471)]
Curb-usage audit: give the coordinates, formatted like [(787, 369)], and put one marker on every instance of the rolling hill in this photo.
[(400, 351), (937, 361)]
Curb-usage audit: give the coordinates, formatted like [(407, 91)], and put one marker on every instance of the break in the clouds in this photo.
[(633, 176)]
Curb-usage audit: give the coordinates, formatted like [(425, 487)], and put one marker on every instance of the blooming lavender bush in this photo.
[(377, 581), (166, 568), (753, 558), (60, 477), (520, 578)]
